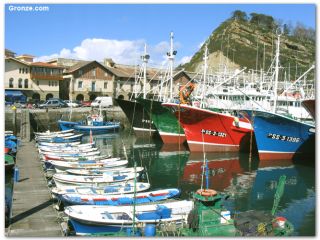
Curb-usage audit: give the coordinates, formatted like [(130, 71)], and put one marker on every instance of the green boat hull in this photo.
[(165, 121)]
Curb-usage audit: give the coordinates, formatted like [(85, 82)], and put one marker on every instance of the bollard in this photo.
[(16, 174)]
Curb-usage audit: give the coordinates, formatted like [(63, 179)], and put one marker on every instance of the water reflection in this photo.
[(250, 183)]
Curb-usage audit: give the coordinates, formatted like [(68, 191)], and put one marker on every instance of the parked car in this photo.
[(102, 101), (86, 103), (37, 103), (53, 103), (73, 103)]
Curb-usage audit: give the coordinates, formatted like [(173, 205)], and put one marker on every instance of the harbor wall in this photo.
[(46, 119)]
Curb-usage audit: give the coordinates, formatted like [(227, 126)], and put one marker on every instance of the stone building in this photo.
[(36, 80)]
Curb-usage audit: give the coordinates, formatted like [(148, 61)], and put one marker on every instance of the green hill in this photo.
[(251, 42)]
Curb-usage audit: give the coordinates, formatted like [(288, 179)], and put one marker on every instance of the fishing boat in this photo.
[(100, 172), (281, 137), (87, 219), (310, 106), (114, 189), (61, 145), (80, 147), (94, 123), (77, 159), (165, 122), (71, 154), (62, 135), (68, 139), (89, 164), (49, 133), (277, 135), (60, 152), (138, 117), (61, 179), (210, 131), (118, 200)]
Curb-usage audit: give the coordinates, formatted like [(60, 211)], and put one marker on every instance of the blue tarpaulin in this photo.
[(13, 93), (12, 96)]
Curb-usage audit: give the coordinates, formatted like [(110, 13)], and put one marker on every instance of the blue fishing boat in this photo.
[(93, 123), (280, 137), (93, 219)]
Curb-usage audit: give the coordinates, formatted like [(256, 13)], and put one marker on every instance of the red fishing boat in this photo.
[(210, 131)]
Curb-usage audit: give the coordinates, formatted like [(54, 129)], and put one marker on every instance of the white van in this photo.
[(103, 101)]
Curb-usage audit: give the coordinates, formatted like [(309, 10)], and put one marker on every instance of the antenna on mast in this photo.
[(278, 33), (145, 57), (171, 56)]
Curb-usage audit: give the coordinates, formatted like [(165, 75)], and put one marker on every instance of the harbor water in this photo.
[(250, 183)]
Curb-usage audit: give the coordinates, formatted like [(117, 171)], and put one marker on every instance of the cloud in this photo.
[(185, 59), (121, 51)]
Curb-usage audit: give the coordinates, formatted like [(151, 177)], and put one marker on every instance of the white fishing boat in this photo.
[(114, 189), (76, 159), (63, 165), (67, 151), (65, 147), (61, 179), (100, 172), (53, 144), (79, 154), (87, 219), (49, 133)]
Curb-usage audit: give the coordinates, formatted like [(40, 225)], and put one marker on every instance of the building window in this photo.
[(26, 83), (105, 85), (94, 72), (106, 74), (56, 83), (93, 86), (80, 85), (80, 72), (20, 83), (26, 70), (11, 83), (38, 83), (49, 83)]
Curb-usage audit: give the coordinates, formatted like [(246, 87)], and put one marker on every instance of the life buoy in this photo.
[(206, 192)]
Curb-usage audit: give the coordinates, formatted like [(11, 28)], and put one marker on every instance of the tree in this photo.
[(240, 16)]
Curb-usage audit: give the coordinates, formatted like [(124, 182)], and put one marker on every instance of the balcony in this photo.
[(41, 76)]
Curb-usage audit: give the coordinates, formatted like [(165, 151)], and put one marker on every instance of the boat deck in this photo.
[(33, 214)]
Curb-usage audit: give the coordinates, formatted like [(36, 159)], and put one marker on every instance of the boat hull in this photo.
[(168, 126), (279, 137), (209, 131), (99, 129), (138, 117)]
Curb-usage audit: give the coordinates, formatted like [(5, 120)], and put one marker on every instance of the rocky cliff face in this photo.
[(237, 44)]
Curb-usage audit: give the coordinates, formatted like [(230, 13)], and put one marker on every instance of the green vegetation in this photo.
[(251, 42)]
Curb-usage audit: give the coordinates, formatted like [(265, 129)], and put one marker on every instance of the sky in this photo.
[(119, 31)]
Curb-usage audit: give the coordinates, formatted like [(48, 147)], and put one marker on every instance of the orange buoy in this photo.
[(206, 192)]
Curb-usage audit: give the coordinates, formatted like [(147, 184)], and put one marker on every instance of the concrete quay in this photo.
[(33, 214)]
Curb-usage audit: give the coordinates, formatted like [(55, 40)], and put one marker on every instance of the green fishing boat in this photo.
[(164, 120)]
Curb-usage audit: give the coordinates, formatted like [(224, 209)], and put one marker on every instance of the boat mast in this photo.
[(205, 58), (171, 55), (145, 59), (276, 74)]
